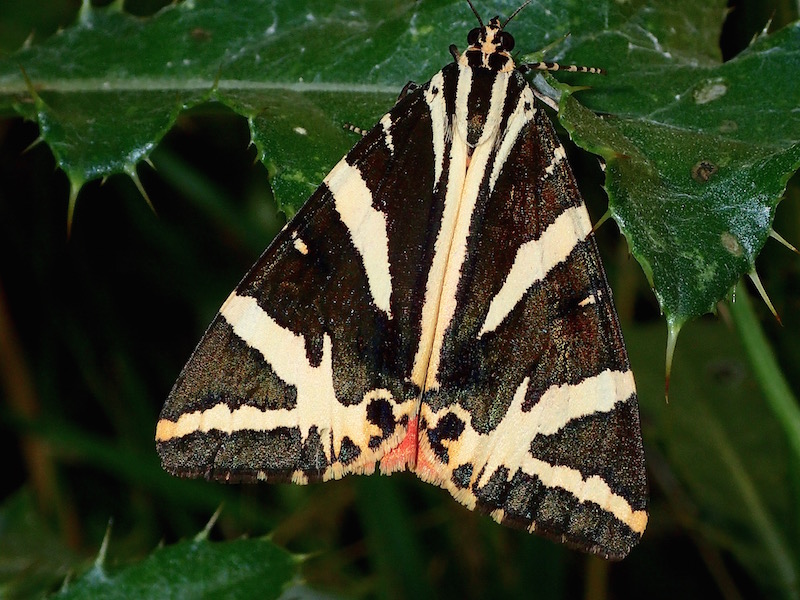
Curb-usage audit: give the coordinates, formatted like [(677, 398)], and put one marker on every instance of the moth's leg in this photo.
[(553, 66), (407, 89), (355, 129)]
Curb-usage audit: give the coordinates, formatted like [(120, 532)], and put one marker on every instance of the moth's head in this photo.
[(489, 45)]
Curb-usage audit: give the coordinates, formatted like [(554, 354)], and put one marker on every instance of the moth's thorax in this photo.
[(489, 48), (479, 104)]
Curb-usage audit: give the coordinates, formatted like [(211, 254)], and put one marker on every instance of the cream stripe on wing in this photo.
[(592, 489), (558, 406), (469, 192), (299, 243), (463, 88), (534, 259), (559, 154), (367, 227), (439, 123), (386, 124), (494, 117), (285, 352), (561, 404), (508, 444), (453, 252), (522, 115), (455, 183)]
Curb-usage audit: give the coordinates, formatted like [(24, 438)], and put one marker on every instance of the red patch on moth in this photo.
[(403, 455), (427, 470)]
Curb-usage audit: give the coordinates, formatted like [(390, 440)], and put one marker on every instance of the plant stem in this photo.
[(762, 360), (773, 385)]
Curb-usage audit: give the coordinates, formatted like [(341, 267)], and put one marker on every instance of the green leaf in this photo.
[(244, 568), (21, 20), (33, 560), (698, 155)]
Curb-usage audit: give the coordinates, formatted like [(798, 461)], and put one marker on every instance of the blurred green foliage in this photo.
[(94, 329)]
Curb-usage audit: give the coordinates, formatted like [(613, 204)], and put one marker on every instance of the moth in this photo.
[(438, 305)]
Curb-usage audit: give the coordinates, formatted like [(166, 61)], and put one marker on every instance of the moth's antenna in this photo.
[(475, 12), (514, 14)]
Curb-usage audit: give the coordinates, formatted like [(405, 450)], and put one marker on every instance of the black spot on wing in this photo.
[(249, 455), (277, 451), (449, 428), (191, 455), (479, 103), (349, 451), (498, 61), (380, 414), (236, 457), (520, 499), (462, 475), (494, 491), (313, 461), (450, 77)]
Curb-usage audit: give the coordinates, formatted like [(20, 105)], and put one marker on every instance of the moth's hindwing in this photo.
[(438, 305)]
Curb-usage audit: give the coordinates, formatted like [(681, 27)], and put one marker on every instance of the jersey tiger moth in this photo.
[(438, 305)]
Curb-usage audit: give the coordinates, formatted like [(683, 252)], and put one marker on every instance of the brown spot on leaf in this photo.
[(730, 243), (703, 170), (200, 35)]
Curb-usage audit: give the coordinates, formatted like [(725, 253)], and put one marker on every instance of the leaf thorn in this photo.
[(757, 282), (130, 170), (203, 535), (776, 236), (673, 329), (101, 554), (85, 13), (74, 187), (601, 220), (28, 41), (31, 89), (33, 144)]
